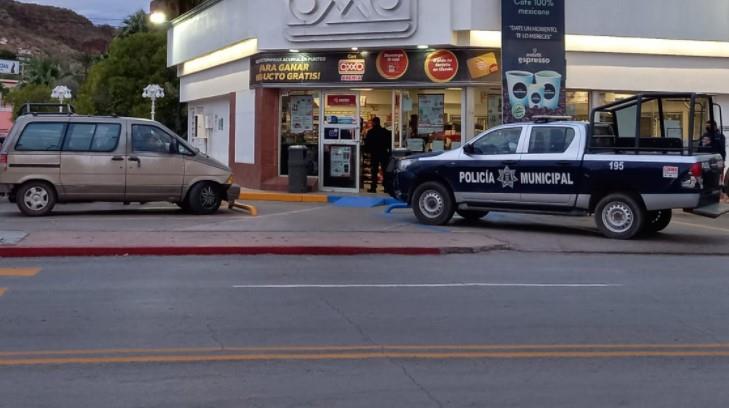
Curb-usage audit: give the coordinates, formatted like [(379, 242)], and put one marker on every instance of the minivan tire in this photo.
[(203, 198), (35, 198), (620, 216), (657, 221), (472, 215), (432, 203)]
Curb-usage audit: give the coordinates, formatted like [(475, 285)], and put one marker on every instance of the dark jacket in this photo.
[(718, 143), (378, 142)]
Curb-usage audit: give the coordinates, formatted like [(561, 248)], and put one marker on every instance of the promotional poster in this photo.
[(533, 58)]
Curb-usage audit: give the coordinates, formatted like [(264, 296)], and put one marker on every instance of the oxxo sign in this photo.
[(351, 69)]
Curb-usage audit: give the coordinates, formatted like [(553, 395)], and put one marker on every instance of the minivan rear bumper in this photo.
[(232, 192)]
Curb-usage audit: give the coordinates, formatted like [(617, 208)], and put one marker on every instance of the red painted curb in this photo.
[(32, 252)]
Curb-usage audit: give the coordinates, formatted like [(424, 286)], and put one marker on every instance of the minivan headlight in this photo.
[(402, 165)]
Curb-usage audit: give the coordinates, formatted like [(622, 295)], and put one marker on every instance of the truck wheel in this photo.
[(432, 204), (619, 216), (657, 221), (204, 198), (35, 198), (472, 215)]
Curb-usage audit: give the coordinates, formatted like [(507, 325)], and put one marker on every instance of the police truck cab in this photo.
[(631, 165)]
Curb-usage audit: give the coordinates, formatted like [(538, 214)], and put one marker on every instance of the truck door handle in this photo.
[(117, 158), (509, 162), (136, 159), (563, 163)]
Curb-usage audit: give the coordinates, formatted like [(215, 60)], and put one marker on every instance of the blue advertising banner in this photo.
[(533, 58)]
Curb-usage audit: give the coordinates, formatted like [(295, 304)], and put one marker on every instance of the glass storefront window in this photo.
[(433, 118), (299, 121), (578, 105)]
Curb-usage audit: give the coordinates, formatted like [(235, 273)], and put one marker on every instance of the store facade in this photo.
[(260, 76)]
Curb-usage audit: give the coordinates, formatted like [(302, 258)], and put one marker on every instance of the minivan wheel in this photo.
[(619, 216), (432, 204), (35, 198), (657, 221), (472, 215), (204, 198)]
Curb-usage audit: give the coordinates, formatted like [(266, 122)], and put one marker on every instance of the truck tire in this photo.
[(432, 203), (620, 216), (204, 198), (657, 221), (35, 198), (472, 215)]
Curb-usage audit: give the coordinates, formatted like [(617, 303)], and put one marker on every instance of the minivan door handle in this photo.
[(136, 159), (117, 158)]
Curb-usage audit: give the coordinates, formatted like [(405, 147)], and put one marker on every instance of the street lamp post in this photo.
[(61, 92), (153, 92)]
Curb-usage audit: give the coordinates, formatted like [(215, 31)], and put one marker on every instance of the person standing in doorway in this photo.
[(378, 144)]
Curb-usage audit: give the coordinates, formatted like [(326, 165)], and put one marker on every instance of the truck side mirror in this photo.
[(469, 149)]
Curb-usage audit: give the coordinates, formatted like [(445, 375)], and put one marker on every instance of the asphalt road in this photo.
[(503, 329)]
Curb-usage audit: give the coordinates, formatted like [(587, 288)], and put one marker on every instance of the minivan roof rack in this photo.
[(550, 118), (46, 109)]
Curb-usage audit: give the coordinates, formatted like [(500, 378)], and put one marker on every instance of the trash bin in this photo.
[(298, 168)]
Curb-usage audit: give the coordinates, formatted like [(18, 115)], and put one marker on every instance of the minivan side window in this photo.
[(550, 139), (92, 137), (41, 136), (151, 139)]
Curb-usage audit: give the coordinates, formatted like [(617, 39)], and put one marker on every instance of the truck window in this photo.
[(41, 136), (550, 139), (502, 141)]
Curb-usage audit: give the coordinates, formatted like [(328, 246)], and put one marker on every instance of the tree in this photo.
[(28, 93), (42, 71), (134, 23), (114, 85)]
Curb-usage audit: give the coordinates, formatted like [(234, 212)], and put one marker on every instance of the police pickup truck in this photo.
[(629, 166)]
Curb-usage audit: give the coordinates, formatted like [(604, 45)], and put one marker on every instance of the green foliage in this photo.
[(134, 23), (42, 71), (114, 85), (29, 93)]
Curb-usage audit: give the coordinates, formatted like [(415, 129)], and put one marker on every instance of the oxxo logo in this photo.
[(352, 67)]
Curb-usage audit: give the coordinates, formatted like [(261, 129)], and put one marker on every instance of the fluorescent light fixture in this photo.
[(362, 89), (293, 50), (422, 47), (364, 53), (650, 46), (158, 17), (355, 48), (223, 56), (621, 45)]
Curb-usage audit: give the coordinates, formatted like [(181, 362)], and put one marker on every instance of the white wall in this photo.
[(218, 113), (245, 126)]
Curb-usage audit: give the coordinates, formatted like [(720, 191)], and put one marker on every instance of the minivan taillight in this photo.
[(4, 161)]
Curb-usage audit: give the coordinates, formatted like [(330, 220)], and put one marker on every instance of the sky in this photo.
[(110, 12)]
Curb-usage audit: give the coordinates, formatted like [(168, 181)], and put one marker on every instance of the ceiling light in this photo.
[(355, 48), (293, 50), (422, 47)]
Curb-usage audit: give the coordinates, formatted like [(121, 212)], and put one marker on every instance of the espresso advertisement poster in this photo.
[(534, 63)]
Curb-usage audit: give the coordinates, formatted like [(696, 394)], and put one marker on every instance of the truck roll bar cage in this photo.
[(639, 144)]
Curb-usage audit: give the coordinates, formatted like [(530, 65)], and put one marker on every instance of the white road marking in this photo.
[(432, 285)]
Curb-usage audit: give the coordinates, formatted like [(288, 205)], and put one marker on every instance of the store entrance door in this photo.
[(340, 142)]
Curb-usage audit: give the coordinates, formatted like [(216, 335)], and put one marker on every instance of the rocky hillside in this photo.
[(50, 31)]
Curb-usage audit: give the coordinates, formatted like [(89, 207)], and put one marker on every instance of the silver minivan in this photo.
[(61, 158)]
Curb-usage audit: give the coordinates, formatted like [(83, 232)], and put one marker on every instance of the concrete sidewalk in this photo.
[(324, 229)]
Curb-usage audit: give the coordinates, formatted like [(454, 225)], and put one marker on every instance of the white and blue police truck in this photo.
[(633, 163)]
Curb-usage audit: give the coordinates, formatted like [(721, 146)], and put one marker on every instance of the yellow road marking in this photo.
[(381, 348), (19, 272), (359, 356), (286, 197), (2, 291), (706, 227)]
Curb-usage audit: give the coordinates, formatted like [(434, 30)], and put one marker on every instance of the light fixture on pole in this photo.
[(153, 92), (61, 92)]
